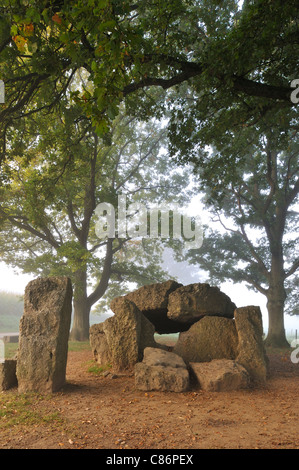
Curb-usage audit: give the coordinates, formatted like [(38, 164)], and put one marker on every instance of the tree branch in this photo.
[(293, 268), (103, 284)]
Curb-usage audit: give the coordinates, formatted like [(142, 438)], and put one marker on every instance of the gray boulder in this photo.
[(209, 338), (161, 370), (152, 301), (220, 375), (188, 304)]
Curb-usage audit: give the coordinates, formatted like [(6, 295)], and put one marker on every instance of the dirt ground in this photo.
[(96, 412)]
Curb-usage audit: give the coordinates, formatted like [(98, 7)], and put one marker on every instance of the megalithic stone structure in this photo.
[(44, 334)]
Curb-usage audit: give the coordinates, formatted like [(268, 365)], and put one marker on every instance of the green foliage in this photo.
[(98, 370), (47, 208), (237, 63), (257, 215)]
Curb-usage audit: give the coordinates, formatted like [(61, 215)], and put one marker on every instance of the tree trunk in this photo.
[(276, 299), (83, 303), (80, 328)]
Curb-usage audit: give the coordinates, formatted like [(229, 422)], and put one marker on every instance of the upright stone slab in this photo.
[(44, 333), (127, 333), (251, 350), (99, 344), (209, 338)]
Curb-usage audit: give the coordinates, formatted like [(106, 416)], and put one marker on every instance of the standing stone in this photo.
[(192, 302), (161, 370), (209, 338), (220, 375), (8, 378), (44, 333), (251, 350), (99, 344), (127, 333)]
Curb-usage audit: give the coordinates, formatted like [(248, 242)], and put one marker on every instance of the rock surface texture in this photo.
[(121, 339), (209, 338), (99, 344), (152, 301), (220, 375), (44, 333), (8, 378), (251, 350), (161, 370), (190, 303)]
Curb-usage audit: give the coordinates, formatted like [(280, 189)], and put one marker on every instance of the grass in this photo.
[(11, 348), (18, 409), (78, 345), (96, 369)]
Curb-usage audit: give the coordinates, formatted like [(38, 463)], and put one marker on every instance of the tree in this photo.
[(225, 70), (239, 62), (56, 177), (259, 243)]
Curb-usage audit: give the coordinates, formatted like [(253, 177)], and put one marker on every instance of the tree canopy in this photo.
[(238, 60), (47, 207)]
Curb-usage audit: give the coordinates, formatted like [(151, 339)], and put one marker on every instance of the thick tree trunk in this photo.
[(276, 333), (276, 299), (83, 303), (80, 327)]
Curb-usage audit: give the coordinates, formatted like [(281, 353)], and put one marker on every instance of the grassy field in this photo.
[(11, 348)]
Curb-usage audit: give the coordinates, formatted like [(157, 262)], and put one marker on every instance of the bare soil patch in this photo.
[(97, 412)]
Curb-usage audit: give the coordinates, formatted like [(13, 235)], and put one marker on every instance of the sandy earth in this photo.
[(96, 412)]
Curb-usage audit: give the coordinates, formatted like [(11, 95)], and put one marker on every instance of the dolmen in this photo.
[(220, 347)]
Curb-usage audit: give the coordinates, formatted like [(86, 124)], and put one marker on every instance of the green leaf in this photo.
[(14, 30)]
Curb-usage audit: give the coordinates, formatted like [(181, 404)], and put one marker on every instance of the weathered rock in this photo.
[(251, 350), (188, 304), (152, 301), (44, 333), (161, 370), (127, 334), (209, 338), (158, 357), (220, 375), (8, 378), (99, 344)]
